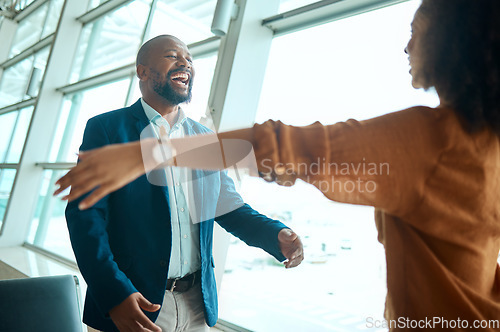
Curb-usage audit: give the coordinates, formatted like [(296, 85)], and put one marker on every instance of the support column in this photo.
[(237, 83), (241, 66)]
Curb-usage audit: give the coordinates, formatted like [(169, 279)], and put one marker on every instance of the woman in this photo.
[(432, 174)]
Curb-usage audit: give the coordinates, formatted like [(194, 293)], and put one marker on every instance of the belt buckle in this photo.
[(172, 287)]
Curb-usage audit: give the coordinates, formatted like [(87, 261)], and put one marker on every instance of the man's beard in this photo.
[(167, 91)]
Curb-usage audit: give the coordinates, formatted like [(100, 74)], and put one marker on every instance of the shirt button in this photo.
[(163, 263), (185, 262), (177, 184), (182, 209), (185, 236)]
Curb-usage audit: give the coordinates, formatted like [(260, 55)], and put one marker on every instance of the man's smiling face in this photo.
[(171, 70)]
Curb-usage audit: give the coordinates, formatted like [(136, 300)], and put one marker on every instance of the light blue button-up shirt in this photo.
[(185, 255)]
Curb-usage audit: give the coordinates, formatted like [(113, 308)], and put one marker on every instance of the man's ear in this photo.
[(142, 72)]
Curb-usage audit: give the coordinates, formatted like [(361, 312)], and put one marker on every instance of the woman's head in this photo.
[(456, 49)]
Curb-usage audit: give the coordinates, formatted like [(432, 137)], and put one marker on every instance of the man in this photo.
[(145, 251)]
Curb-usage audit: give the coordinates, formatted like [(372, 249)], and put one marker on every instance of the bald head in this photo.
[(152, 45)]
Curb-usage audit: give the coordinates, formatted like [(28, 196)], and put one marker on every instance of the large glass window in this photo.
[(48, 229), (352, 68), (12, 152), (14, 82), (13, 130), (29, 30), (39, 24), (111, 41), (7, 177), (187, 20), (22, 80), (77, 109)]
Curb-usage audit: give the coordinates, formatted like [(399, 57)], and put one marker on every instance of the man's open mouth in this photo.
[(180, 78)]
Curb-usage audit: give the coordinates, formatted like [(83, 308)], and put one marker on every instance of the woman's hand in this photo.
[(102, 170)]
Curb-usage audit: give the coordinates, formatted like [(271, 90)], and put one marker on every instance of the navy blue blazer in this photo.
[(122, 244)]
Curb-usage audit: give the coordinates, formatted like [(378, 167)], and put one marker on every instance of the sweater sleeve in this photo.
[(381, 162)]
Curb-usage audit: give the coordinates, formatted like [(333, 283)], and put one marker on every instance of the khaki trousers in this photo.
[(181, 312)]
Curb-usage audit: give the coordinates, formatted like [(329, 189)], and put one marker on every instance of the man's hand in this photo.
[(291, 247), (128, 316)]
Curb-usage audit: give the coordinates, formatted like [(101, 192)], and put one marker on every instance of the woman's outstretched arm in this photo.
[(380, 162), (109, 168)]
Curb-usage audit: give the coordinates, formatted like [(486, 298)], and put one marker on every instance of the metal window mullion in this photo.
[(322, 12), (18, 106), (30, 9), (101, 10), (55, 166), (29, 51), (205, 47), (107, 77), (9, 166)]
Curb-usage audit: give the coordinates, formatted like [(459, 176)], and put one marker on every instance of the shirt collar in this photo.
[(155, 117)]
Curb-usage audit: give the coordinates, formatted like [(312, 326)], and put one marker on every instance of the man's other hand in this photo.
[(291, 247), (128, 316)]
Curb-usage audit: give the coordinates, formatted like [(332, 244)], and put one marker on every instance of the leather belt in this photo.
[(185, 283)]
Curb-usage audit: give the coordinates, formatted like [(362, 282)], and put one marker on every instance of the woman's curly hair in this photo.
[(462, 58)]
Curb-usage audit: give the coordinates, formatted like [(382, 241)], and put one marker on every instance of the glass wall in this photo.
[(352, 68)]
